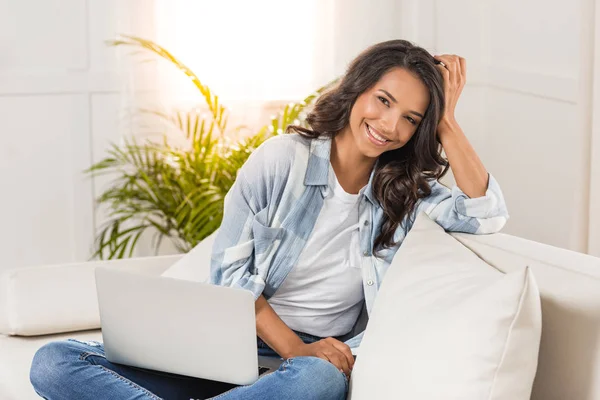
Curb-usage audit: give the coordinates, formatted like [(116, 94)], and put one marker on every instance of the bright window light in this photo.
[(260, 50)]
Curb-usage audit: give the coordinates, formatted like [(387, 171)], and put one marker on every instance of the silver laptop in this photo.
[(182, 327)]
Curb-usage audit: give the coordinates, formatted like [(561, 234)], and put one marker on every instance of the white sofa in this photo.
[(36, 301)]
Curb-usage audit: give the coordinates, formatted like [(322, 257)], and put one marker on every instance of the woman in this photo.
[(312, 223)]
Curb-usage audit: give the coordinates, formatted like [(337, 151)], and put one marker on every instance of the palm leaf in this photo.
[(217, 110)]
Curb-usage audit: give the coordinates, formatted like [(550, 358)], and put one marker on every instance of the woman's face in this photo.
[(386, 116)]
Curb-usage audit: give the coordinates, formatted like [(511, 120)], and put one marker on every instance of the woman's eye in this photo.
[(412, 121), (384, 101)]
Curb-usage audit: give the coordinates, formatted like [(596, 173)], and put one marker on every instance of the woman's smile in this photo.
[(374, 137)]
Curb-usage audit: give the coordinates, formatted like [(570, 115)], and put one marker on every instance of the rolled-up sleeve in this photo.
[(233, 257), (232, 260), (456, 212), (354, 342), (240, 251)]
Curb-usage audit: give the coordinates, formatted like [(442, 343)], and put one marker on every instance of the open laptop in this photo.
[(182, 327)]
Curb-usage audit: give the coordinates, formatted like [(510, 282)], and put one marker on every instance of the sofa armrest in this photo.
[(60, 298)]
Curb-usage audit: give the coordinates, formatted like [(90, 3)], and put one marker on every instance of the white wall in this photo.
[(532, 111), (60, 104), (527, 104), (591, 83)]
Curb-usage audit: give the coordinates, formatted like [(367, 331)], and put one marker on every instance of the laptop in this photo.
[(182, 327)]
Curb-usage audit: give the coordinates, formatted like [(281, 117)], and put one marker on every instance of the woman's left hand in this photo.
[(455, 77)]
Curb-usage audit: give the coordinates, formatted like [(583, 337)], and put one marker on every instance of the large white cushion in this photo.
[(569, 284), (447, 325), (60, 298)]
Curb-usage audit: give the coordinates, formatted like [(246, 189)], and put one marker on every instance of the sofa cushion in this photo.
[(447, 325), (569, 285), (60, 298)]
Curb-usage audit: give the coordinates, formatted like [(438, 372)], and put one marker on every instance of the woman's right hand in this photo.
[(329, 349)]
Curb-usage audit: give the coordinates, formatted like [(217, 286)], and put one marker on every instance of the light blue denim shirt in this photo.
[(274, 203)]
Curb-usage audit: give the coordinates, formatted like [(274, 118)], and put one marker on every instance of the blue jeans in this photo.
[(72, 369)]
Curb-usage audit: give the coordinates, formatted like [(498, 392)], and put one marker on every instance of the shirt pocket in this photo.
[(353, 258), (266, 241)]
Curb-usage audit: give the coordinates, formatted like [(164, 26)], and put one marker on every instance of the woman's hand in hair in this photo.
[(329, 349), (454, 71)]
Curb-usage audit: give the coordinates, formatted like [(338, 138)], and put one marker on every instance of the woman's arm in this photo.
[(278, 336), (273, 331), (468, 170), (476, 203), (470, 174)]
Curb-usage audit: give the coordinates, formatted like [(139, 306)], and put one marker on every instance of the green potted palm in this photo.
[(177, 192)]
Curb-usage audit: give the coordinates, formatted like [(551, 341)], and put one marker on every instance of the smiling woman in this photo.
[(315, 216)]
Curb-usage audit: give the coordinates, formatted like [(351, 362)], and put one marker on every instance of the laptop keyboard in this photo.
[(262, 370)]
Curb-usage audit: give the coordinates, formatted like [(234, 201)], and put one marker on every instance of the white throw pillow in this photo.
[(447, 325), (195, 265)]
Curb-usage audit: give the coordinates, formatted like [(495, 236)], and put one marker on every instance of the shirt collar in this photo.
[(317, 170)]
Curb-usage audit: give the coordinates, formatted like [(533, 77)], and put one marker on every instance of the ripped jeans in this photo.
[(72, 369)]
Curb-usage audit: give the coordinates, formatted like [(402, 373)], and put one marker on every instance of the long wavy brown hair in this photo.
[(401, 175)]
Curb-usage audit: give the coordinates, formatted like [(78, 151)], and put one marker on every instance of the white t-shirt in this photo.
[(322, 295)]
